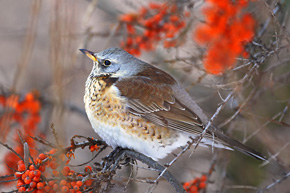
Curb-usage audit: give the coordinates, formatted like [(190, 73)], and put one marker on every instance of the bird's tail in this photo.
[(238, 145)]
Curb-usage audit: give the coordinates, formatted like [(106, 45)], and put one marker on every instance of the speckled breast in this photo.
[(107, 112)]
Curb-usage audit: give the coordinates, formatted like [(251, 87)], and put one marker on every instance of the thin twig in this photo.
[(11, 149), (272, 185)]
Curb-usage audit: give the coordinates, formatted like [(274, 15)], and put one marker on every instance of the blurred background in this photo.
[(39, 52)]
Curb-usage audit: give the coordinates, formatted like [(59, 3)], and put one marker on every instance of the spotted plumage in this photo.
[(134, 105)]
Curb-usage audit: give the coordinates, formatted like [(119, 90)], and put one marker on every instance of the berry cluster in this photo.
[(153, 24), (23, 114), (35, 179), (195, 185), (226, 30), (94, 148)]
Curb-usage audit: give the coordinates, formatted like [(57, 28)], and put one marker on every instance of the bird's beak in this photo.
[(89, 54)]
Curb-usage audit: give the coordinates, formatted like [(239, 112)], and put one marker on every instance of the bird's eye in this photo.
[(107, 63)]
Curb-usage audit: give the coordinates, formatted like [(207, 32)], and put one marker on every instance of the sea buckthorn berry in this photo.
[(88, 169), (51, 183), (73, 183), (42, 156), (27, 180), (31, 174), (76, 188), (79, 183), (21, 167), (64, 189), (40, 185), (41, 168), (36, 179), (20, 162), (37, 173), (63, 182), (193, 188), (89, 183), (17, 174), (203, 178), (31, 167), (55, 173), (202, 185), (55, 187), (19, 184), (52, 151), (22, 189), (32, 184), (53, 165), (46, 188)]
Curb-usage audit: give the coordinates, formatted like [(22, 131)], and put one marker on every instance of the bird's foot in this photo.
[(111, 162)]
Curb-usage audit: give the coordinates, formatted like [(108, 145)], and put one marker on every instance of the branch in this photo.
[(153, 164), (272, 185)]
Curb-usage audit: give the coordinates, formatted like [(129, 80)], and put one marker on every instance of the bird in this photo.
[(134, 105)]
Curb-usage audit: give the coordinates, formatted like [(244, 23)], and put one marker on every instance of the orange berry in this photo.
[(89, 183), (31, 167), (202, 185), (23, 176), (22, 189), (42, 156), (55, 173), (63, 182), (143, 11), (55, 187), (31, 174), (66, 168), (21, 168), (37, 173), (20, 162), (76, 188), (46, 188), (186, 184), (203, 178), (193, 188), (32, 184), (97, 147), (174, 18), (17, 174), (79, 183), (127, 18), (64, 189), (129, 43), (51, 183), (39, 191), (52, 151), (73, 183), (41, 168), (39, 185), (27, 180), (36, 179), (29, 97), (53, 165), (130, 29), (88, 169), (153, 5)]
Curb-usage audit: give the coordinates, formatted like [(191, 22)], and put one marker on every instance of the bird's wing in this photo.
[(155, 100), (158, 98)]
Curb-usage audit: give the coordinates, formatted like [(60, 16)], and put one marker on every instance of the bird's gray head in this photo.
[(114, 62)]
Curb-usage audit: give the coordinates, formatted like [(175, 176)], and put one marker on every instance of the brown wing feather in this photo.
[(155, 95), (163, 103), (156, 102)]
